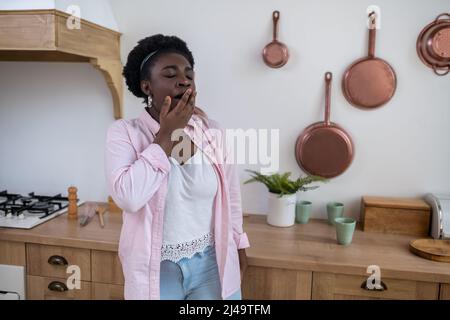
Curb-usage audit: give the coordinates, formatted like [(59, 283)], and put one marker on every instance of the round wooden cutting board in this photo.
[(436, 250)]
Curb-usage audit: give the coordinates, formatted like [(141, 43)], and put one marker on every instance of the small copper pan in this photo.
[(433, 45), (324, 148), (275, 54), (369, 82)]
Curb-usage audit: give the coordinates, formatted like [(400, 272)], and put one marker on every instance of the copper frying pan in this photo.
[(275, 54), (433, 45), (324, 148), (369, 82)]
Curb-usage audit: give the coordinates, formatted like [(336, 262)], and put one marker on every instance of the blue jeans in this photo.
[(196, 278)]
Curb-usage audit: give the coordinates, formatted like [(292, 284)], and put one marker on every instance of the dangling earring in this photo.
[(149, 101)]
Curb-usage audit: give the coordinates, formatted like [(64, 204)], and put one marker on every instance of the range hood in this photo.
[(43, 35)]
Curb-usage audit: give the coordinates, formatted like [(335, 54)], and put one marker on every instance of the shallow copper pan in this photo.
[(324, 148), (275, 54), (369, 82), (433, 45)]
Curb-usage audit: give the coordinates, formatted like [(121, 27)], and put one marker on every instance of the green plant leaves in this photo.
[(281, 184)]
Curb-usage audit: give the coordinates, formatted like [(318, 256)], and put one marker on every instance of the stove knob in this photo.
[(21, 216), (9, 216)]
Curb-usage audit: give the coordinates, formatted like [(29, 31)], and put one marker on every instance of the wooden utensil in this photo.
[(275, 54), (431, 249), (100, 211), (73, 207), (324, 148), (369, 82)]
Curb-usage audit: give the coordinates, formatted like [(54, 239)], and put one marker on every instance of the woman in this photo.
[(182, 234)]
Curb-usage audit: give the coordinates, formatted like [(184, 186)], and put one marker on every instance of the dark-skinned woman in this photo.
[(182, 236)]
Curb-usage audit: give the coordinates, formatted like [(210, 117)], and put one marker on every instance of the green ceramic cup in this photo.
[(334, 210), (303, 211), (345, 227)]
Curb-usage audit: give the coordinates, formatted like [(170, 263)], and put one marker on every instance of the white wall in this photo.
[(402, 149), (98, 11), (26, 4), (53, 122)]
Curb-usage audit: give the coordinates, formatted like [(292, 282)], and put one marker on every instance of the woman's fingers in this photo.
[(192, 99), (184, 100), (165, 107), (190, 105)]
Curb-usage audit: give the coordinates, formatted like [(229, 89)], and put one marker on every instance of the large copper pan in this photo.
[(275, 54), (324, 148), (433, 45), (369, 82)]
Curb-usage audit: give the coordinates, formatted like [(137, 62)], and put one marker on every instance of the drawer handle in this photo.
[(383, 286), (57, 261), (57, 286)]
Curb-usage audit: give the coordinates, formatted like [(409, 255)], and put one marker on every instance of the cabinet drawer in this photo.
[(104, 291), (52, 261), (261, 283), (106, 267), (46, 288), (328, 286)]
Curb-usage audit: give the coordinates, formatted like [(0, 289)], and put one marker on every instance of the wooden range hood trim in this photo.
[(41, 35)]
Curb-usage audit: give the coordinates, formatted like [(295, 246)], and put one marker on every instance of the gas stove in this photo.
[(26, 212)]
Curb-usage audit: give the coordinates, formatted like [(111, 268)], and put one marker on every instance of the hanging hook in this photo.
[(372, 16)]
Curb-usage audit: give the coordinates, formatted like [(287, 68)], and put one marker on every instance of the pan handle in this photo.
[(442, 15), (441, 74), (328, 79), (372, 33), (276, 17)]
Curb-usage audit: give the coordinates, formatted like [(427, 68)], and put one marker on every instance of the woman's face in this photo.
[(171, 75)]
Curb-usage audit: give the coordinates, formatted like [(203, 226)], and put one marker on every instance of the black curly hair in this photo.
[(160, 43)]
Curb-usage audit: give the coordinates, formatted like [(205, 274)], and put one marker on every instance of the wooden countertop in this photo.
[(61, 231), (310, 247), (313, 247)]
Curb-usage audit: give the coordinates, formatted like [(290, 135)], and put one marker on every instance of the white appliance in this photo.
[(440, 216), (12, 282)]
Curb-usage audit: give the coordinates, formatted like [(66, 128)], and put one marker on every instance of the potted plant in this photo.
[(282, 195)]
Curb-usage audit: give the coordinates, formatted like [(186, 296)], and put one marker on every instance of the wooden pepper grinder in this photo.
[(73, 208)]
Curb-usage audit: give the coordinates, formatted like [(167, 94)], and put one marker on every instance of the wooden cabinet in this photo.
[(276, 284), (104, 291), (100, 273), (329, 286), (12, 253), (106, 267), (445, 292)]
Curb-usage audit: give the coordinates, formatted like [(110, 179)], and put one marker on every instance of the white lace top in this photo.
[(188, 215)]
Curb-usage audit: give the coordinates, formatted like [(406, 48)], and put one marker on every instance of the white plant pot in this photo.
[(281, 210)]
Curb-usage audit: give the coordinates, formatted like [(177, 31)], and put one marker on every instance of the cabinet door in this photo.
[(45, 288), (106, 267), (104, 291), (445, 292), (328, 286), (276, 284), (12, 253)]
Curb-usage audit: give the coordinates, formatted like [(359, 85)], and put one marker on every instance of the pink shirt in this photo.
[(137, 177)]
